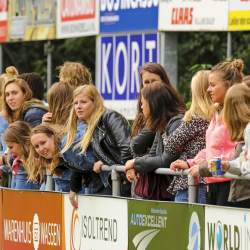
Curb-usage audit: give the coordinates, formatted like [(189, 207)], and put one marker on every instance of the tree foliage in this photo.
[(196, 51), (207, 48)]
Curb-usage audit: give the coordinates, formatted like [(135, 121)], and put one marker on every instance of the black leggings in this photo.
[(218, 195)]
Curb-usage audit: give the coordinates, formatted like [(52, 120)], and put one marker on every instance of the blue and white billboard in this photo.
[(128, 15), (119, 60)]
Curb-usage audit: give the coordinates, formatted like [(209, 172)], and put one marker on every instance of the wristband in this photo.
[(188, 164)]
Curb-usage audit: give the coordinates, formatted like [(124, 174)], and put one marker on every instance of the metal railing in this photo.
[(192, 182)]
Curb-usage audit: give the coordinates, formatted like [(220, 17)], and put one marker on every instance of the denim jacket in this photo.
[(79, 161), (3, 126)]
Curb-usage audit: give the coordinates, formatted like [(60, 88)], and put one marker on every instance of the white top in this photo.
[(238, 167)]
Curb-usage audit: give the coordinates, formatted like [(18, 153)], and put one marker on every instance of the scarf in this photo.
[(16, 165)]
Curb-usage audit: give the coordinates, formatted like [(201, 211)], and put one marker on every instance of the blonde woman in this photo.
[(237, 117), (189, 138), (108, 131)]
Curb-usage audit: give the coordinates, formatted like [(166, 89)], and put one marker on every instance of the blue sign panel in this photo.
[(135, 65), (128, 15), (121, 60), (107, 67), (121, 67)]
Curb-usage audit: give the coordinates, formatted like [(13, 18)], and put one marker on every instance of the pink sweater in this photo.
[(217, 145)]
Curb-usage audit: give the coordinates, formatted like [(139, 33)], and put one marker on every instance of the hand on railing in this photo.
[(194, 171), (132, 176), (178, 165)]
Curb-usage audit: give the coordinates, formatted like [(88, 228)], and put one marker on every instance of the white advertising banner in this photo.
[(193, 15), (99, 223), (227, 229), (77, 18)]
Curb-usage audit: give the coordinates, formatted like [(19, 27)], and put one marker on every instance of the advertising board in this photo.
[(120, 59), (239, 15), (32, 220), (193, 15), (99, 223), (31, 20), (227, 228), (77, 18), (3, 20), (165, 225), (128, 15)]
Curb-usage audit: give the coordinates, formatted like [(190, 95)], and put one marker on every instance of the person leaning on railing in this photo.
[(142, 139), (109, 133), (162, 110), (190, 136), (237, 116)]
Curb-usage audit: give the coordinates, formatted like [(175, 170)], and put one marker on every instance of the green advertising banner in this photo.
[(165, 225)]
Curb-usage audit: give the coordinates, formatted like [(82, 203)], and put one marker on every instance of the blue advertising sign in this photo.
[(128, 15), (121, 58)]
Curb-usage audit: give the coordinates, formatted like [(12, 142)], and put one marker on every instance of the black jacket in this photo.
[(157, 157), (143, 141), (113, 135)]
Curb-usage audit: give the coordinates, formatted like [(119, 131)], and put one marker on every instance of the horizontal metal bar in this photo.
[(168, 171)]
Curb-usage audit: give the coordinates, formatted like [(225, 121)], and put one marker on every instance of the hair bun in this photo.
[(238, 63), (11, 72)]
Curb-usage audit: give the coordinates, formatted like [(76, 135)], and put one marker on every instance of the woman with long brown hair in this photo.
[(17, 138), (18, 103), (163, 116), (60, 97), (141, 138)]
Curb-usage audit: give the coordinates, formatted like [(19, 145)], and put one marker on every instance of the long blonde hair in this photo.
[(237, 111), (19, 132), (201, 100), (60, 98), (8, 113), (98, 111), (35, 162)]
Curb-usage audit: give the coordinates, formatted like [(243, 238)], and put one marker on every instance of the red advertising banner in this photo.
[(3, 20), (32, 220)]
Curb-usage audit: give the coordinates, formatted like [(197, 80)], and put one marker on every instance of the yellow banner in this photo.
[(31, 20), (239, 20)]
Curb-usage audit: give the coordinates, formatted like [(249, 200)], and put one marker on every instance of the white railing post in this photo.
[(50, 184), (193, 189), (116, 182)]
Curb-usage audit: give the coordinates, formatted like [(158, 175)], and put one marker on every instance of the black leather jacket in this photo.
[(114, 134)]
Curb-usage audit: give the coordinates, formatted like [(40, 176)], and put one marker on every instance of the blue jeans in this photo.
[(182, 195), (96, 187), (64, 185), (202, 194), (20, 182)]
